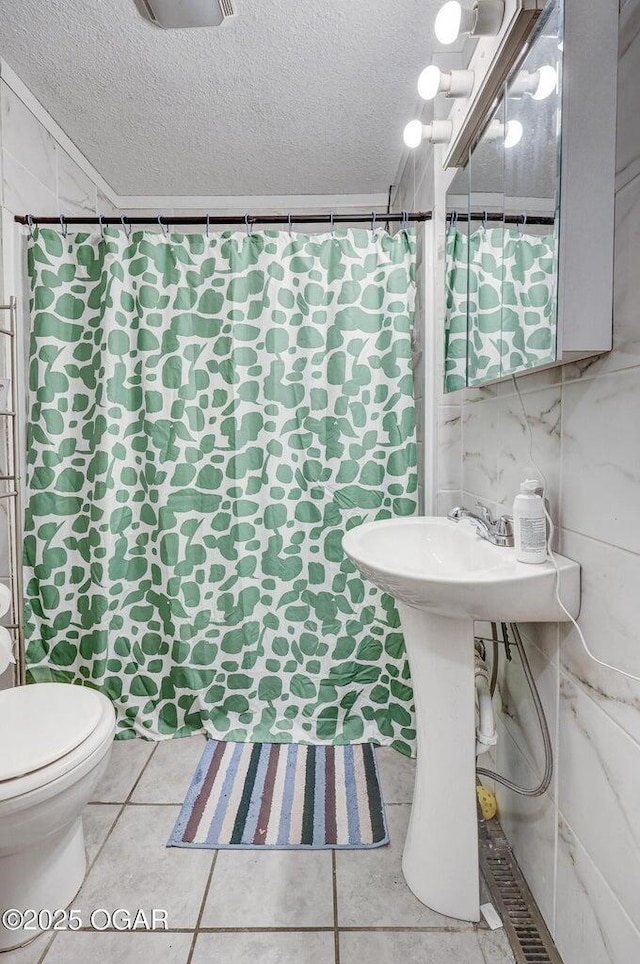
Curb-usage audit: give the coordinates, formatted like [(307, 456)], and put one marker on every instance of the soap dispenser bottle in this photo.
[(530, 524)]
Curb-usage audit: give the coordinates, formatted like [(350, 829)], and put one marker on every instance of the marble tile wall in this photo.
[(579, 845), (37, 174)]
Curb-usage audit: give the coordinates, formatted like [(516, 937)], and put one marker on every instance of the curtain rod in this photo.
[(244, 219), (521, 219)]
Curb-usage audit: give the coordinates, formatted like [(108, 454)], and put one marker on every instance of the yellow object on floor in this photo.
[(487, 801)]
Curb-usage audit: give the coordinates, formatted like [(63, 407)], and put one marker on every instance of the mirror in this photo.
[(502, 232)]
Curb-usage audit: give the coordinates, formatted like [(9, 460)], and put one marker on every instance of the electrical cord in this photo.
[(596, 659)]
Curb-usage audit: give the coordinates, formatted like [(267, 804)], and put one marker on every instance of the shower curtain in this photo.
[(456, 298), (208, 415), (500, 298)]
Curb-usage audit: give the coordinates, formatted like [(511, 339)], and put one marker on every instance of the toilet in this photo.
[(55, 741)]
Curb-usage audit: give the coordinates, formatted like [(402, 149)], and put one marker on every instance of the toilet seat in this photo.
[(49, 729)]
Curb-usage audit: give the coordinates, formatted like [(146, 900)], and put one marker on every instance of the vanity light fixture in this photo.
[(540, 83), (437, 132), (483, 19), (510, 133), (453, 83)]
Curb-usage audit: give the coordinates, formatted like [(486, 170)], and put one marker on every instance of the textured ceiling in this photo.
[(288, 97)]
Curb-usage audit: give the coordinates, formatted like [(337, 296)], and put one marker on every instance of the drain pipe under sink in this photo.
[(485, 720)]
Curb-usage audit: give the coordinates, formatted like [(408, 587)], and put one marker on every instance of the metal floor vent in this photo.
[(528, 935)]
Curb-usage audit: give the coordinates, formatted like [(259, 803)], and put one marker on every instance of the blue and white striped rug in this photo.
[(283, 796)]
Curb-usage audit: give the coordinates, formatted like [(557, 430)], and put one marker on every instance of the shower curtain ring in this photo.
[(30, 225), (484, 218), (163, 227), (373, 220), (63, 226), (101, 223), (289, 220), (124, 227), (404, 224), (523, 223), (247, 222), (207, 225), (333, 230)]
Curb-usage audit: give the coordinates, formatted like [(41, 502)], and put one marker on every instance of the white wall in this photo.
[(415, 192), (579, 845)]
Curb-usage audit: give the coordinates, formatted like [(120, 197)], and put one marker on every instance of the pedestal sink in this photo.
[(443, 577)]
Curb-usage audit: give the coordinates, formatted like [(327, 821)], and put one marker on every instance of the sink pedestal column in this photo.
[(440, 860)]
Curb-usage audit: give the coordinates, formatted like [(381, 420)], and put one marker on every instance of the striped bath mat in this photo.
[(283, 796)]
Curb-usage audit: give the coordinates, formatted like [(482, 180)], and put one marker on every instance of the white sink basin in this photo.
[(444, 566), (443, 577)]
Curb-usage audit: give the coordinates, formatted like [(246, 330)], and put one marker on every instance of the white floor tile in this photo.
[(397, 775), (372, 891), (97, 819), (136, 870), (170, 771), (264, 948), (30, 953), (405, 948), (128, 757), (124, 948), (274, 888), (495, 947)]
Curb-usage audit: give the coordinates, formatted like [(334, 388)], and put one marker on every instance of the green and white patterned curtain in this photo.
[(208, 416), (500, 304), (456, 298), (529, 300)]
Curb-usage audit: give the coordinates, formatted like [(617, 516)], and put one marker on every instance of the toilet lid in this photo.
[(40, 723)]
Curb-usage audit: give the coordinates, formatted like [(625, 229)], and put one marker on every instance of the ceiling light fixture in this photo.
[(454, 83), (438, 132), (540, 83), (186, 13), (483, 19)]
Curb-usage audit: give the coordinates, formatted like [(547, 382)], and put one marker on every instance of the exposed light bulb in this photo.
[(540, 84), (495, 131), (510, 133), (429, 82), (454, 83), (413, 133), (513, 134), (438, 132), (484, 19), (448, 22), (547, 79)]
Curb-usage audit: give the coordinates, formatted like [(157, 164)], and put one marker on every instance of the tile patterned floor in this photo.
[(276, 907)]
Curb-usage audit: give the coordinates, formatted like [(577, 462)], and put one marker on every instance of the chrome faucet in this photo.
[(499, 532)]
